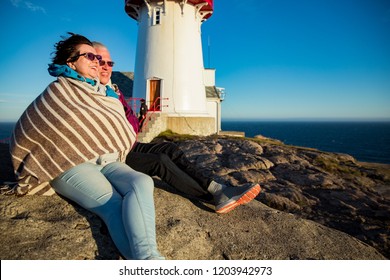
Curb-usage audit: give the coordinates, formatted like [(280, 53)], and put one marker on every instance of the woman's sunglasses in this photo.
[(88, 55)]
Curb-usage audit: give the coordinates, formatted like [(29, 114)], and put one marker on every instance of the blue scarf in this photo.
[(56, 70)]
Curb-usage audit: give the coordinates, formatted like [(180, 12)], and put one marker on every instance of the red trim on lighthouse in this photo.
[(206, 8), (132, 12), (209, 6)]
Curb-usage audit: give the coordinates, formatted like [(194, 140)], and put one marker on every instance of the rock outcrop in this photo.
[(313, 205)]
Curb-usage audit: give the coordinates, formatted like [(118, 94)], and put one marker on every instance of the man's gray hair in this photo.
[(96, 44)]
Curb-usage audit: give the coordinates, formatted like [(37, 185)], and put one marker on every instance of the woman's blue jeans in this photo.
[(122, 198)]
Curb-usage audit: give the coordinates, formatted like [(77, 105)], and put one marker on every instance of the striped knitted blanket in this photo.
[(71, 122)]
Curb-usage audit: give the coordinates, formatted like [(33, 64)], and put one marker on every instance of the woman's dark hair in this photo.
[(67, 48)]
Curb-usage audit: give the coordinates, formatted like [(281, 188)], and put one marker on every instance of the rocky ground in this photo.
[(313, 205)]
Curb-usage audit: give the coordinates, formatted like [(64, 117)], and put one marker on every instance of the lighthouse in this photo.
[(169, 72)]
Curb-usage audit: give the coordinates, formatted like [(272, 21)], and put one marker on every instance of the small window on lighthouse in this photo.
[(156, 16)]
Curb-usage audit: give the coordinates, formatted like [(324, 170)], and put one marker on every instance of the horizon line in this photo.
[(309, 119)]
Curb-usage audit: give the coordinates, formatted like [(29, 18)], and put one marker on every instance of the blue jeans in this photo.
[(122, 198)]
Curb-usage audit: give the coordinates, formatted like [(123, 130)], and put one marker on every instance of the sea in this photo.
[(365, 141)]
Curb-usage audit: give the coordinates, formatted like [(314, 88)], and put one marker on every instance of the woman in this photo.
[(75, 135)]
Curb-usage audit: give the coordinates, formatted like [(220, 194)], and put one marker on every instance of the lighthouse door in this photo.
[(154, 94)]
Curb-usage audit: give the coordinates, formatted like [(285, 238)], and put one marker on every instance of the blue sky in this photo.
[(277, 59)]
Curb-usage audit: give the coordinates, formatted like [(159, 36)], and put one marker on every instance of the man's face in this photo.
[(105, 71)]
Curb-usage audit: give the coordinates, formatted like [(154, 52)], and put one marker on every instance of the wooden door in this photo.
[(154, 93)]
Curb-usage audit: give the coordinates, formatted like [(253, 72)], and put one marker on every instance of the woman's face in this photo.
[(84, 66)]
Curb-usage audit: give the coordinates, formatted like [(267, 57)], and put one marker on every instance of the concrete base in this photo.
[(232, 133), (202, 126)]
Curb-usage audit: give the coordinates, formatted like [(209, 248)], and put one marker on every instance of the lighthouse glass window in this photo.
[(156, 16)]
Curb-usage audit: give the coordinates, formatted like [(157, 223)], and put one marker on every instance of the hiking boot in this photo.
[(231, 197)]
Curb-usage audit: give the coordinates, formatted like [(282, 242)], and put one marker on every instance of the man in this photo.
[(168, 162), (142, 113)]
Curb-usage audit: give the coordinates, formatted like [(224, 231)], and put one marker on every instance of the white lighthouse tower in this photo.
[(169, 72)]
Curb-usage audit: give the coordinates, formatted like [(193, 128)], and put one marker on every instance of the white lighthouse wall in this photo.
[(209, 77), (172, 52), (213, 108)]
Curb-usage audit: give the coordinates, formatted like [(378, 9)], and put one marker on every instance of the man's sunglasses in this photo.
[(88, 55), (109, 63)]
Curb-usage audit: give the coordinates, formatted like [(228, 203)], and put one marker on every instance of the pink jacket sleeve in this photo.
[(131, 117)]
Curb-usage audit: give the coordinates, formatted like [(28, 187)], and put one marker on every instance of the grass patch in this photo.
[(333, 165), (169, 135)]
